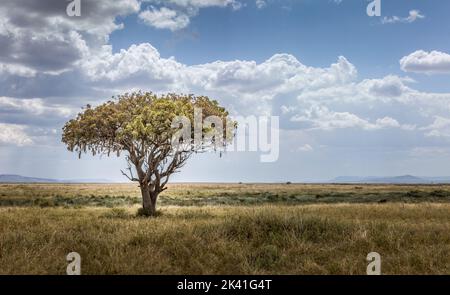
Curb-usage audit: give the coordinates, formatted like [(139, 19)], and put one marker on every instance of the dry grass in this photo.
[(113, 195), (263, 239)]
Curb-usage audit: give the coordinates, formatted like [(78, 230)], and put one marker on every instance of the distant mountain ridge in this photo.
[(404, 179), (13, 178)]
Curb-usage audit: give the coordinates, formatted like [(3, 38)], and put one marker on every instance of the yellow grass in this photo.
[(261, 239), (112, 195)]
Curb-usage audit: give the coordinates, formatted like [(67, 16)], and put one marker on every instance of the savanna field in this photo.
[(225, 229)]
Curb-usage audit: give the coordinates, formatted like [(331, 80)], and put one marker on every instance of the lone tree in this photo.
[(155, 132)]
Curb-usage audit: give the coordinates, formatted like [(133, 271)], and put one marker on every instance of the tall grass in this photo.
[(264, 239)]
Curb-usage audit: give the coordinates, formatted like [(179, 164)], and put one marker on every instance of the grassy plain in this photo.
[(225, 229)]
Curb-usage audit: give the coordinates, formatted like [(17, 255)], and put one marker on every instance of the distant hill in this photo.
[(404, 179), (12, 178)]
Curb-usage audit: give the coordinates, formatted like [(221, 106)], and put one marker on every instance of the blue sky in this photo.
[(356, 95)]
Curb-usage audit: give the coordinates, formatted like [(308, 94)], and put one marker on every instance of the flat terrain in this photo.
[(112, 195), (225, 229)]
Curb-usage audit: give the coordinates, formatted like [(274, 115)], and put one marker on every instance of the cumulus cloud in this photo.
[(32, 106), (32, 111), (12, 134), (199, 3), (413, 16), (260, 4), (175, 15), (60, 40), (439, 128), (247, 85), (320, 117), (16, 70), (389, 86), (165, 18), (139, 60), (434, 62), (279, 72)]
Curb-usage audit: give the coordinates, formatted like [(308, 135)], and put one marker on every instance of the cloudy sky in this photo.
[(356, 95)]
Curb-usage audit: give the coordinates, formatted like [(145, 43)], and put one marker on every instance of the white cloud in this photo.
[(321, 118), (34, 106), (260, 4), (16, 70), (439, 128), (165, 18), (175, 15), (390, 86), (387, 122), (41, 38), (413, 16), (280, 72), (12, 134), (434, 62), (305, 148), (141, 62), (248, 85), (199, 3)]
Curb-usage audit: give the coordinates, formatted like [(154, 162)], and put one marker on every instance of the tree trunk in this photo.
[(148, 202)]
